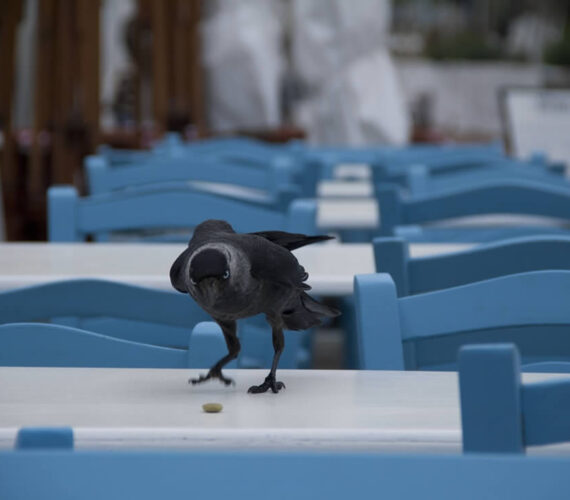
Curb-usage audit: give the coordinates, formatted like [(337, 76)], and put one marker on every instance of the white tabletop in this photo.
[(320, 409), (115, 408), (331, 266), (345, 189)]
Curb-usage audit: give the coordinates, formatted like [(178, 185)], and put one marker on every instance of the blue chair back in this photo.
[(520, 196), (274, 181), (490, 260), (71, 218), (425, 331), (142, 315), (500, 414), (38, 344), (420, 179), (156, 317), (217, 475)]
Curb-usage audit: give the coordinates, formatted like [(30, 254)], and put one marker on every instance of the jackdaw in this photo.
[(234, 276)]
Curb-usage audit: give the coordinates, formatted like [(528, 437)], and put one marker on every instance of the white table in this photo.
[(331, 266), (319, 409), (114, 408), (345, 189)]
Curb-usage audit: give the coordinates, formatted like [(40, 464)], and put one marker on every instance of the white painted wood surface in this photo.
[(395, 411), (331, 266), (319, 409)]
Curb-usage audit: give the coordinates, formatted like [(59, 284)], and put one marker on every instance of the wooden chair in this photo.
[(499, 413), (274, 183), (38, 344), (116, 309), (144, 475), (402, 216), (425, 331), (141, 315), (490, 260), (71, 218)]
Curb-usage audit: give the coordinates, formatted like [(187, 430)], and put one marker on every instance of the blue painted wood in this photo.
[(529, 309), (520, 196), (421, 180), (71, 218), (143, 315), (39, 344), (489, 384), (378, 323), (490, 260), (34, 438), (499, 413), (143, 475), (276, 180)]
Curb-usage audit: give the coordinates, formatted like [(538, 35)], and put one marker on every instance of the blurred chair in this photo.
[(400, 216), (500, 414), (420, 180), (217, 475), (39, 344), (71, 218), (274, 183), (425, 331), (490, 260)]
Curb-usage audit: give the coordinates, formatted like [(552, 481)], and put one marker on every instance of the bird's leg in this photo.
[(229, 329), (270, 382)]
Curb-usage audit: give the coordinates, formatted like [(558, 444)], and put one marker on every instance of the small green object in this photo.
[(212, 407)]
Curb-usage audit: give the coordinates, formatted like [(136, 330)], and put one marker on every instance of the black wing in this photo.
[(291, 241), (275, 264)]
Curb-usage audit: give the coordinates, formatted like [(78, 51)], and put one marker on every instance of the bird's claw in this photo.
[(212, 374), (268, 383)]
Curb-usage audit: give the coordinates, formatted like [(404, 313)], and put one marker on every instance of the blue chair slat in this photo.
[(98, 298), (275, 181), (36, 344), (493, 197), (425, 330), (149, 475), (490, 394), (34, 438), (71, 218), (511, 256), (501, 414)]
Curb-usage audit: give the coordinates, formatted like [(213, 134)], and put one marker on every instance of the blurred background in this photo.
[(79, 73)]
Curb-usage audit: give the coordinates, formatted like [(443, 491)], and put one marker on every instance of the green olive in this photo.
[(212, 407)]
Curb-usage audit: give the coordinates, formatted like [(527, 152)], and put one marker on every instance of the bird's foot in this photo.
[(212, 374), (269, 383)]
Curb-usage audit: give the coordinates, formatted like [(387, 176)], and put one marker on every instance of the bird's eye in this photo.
[(226, 275)]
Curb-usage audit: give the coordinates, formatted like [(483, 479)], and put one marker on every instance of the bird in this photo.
[(237, 275)]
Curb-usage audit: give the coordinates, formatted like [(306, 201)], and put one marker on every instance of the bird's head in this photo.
[(209, 270)]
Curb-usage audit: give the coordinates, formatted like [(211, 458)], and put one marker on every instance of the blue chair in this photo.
[(38, 344), (425, 331), (141, 315), (116, 309), (71, 218), (402, 216), (34, 438), (420, 180), (490, 260), (275, 182), (218, 475), (500, 414)]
